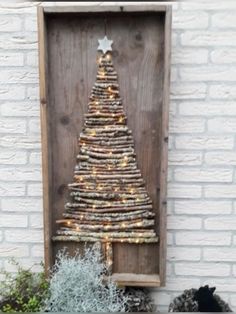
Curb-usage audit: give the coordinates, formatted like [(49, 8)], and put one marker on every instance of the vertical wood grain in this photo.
[(141, 53), (164, 147), (46, 152)]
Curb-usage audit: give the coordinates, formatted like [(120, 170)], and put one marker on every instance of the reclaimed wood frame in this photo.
[(152, 280)]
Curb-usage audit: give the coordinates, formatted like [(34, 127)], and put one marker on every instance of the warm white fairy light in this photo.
[(100, 106)]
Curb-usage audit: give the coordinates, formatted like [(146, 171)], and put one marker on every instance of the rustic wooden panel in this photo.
[(140, 58)]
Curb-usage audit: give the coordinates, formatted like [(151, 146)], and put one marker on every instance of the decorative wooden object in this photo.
[(67, 50)]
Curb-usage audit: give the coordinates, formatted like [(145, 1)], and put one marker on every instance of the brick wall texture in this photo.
[(202, 151)]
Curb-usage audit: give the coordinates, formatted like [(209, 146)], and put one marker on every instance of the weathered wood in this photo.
[(46, 152), (101, 7), (136, 280), (144, 84), (164, 147)]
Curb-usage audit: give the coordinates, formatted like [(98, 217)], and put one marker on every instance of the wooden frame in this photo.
[(44, 11)]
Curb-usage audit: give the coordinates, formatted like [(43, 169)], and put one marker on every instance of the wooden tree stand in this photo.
[(67, 52)]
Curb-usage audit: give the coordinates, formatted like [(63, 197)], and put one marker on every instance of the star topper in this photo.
[(105, 44)]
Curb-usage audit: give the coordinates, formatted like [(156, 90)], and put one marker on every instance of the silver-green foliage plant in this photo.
[(77, 285)]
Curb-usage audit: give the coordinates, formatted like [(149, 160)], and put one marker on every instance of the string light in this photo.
[(98, 107)]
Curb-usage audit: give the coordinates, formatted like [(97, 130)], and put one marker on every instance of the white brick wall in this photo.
[(20, 171), (202, 179)]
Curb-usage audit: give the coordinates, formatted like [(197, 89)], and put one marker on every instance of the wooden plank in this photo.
[(144, 87), (164, 148), (46, 155), (73, 8), (137, 280)]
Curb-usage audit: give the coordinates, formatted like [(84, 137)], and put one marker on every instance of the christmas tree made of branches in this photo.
[(108, 199)]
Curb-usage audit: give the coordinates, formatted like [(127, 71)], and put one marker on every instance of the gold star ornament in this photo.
[(105, 44)]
